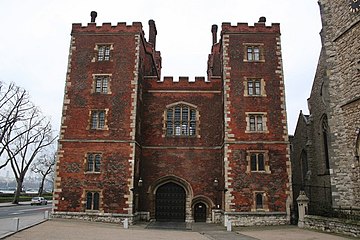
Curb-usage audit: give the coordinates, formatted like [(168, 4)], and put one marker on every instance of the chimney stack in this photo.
[(152, 32), (93, 15), (262, 20), (214, 29)]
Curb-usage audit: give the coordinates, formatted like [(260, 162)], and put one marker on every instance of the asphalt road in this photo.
[(23, 210)]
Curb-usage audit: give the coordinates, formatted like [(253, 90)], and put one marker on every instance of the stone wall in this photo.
[(347, 227), (243, 219)]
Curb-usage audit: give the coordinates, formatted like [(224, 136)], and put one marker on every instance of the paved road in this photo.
[(60, 229), (27, 216)]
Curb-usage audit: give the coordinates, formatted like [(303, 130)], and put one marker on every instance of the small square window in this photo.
[(253, 52)]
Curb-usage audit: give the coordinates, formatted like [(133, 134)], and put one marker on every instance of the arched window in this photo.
[(181, 120), (92, 200), (325, 129), (304, 165), (259, 201)]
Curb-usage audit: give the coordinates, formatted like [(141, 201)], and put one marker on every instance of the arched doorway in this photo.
[(170, 203), (200, 212)]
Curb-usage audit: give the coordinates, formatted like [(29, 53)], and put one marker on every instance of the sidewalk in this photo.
[(60, 229)]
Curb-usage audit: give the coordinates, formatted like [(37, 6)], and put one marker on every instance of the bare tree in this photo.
[(14, 104), (44, 166), (34, 134)]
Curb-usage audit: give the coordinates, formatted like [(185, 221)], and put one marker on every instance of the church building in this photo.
[(326, 143), (135, 145)]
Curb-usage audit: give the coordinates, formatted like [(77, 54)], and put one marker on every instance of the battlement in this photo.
[(107, 27), (259, 27), (183, 83)]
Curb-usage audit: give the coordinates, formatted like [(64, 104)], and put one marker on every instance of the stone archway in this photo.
[(170, 199), (202, 207), (172, 182)]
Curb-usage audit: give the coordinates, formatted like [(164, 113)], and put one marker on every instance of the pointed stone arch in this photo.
[(171, 179), (209, 204)]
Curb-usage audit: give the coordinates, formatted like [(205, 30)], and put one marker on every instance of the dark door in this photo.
[(200, 212), (170, 203)]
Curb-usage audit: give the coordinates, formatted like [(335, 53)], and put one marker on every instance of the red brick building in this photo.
[(136, 145)]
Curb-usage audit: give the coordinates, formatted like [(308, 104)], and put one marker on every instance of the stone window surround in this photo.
[(262, 87), (93, 85), (106, 127), (266, 161), (261, 49), (96, 49), (264, 122), (86, 163), (265, 204), (83, 200), (197, 130)]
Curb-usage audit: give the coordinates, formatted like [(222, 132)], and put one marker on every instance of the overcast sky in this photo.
[(35, 40)]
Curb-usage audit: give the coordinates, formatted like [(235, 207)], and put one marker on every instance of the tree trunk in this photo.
[(18, 190), (41, 188)]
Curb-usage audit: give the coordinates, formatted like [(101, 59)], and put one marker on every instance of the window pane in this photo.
[(249, 54), (90, 161), (261, 164), (98, 85), (193, 115), (177, 113), (184, 128), (94, 119), (169, 128), (252, 123), (88, 200), (177, 129), (259, 123), (256, 54), (96, 201), (185, 114), (97, 162), (250, 88), (101, 119), (101, 52), (257, 88), (192, 128), (253, 162), (105, 85), (107, 53), (170, 114)]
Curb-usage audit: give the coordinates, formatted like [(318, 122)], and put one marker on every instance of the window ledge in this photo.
[(88, 172)]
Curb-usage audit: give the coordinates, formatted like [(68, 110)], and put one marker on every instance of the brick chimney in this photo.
[(152, 32), (214, 29), (93, 15)]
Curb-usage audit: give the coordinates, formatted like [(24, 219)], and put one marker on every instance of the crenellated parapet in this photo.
[(259, 27), (107, 28), (183, 83)]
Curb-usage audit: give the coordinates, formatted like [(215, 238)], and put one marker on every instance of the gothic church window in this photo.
[(92, 200), (325, 128), (181, 120)]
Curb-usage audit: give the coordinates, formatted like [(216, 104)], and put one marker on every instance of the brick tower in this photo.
[(137, 146)]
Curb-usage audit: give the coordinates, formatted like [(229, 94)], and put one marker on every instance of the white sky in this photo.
[(35, 39)]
